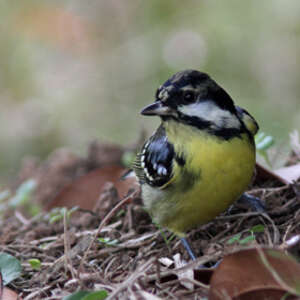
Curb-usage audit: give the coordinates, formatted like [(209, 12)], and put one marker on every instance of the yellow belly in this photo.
[(215, 174)]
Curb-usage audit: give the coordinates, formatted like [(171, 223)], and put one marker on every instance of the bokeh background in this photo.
[(74, 71)]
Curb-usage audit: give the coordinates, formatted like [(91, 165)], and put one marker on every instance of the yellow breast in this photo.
[(215, 174)]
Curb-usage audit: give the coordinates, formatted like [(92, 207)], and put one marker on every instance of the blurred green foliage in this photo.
[(22, 198), (35, 263), (249, 238), (74, 71)]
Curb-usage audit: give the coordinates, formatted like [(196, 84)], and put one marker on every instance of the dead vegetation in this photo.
[(112, 244)]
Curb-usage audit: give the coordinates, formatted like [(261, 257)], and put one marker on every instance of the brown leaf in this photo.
[(256, 274), (85, 191), (9, 294), (6, 293), (264, 174)]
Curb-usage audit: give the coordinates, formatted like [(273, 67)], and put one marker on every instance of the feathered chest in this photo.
[(182, 154), (208, 157)]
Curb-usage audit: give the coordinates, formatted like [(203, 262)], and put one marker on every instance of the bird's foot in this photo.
[(252, 202), (188, 248)]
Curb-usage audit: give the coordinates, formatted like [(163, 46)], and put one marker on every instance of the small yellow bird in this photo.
[(200, 159)]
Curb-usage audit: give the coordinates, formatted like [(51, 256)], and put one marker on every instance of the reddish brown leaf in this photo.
[(256, 274), (8, 294), (264, 174), (85, 191)]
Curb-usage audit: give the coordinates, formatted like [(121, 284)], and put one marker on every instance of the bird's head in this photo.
[(193, 98)]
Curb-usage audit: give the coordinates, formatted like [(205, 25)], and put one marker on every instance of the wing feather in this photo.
[(154, 164)]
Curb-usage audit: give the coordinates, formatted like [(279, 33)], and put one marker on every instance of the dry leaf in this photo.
[(166, 261), (290, 174), (9, 294), (85, 191), (183, 275), (258, 273), (264, 174)]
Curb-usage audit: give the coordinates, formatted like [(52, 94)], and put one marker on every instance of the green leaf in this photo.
[(10, 267), (76, 296), (259, 137), (35, 263), (23, 193), (108, 241), (71, 210), (34, 209), (96, 295), (258, 228), (247, 240), (85, 295), (234, 239), (265, 143), (120, 213), (162, 232), (58, 213), (55, 218), (172, 237)]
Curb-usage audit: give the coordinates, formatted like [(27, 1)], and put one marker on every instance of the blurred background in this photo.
[(74, 71)]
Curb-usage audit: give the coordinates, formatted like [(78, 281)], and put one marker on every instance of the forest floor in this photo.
[(108, 242)]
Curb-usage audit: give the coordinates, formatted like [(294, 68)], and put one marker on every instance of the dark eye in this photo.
[(188, 97)]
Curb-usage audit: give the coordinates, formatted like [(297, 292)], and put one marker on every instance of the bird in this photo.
[(201, 158)]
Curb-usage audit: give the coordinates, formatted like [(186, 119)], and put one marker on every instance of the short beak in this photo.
[(157, 109)]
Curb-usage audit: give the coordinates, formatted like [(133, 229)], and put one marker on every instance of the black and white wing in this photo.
[(153, 165)]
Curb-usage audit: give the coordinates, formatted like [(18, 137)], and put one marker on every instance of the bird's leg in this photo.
[(252, 202), (188, 248), (246, 199)]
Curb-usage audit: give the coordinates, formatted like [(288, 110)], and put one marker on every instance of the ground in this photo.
[(111, 244)]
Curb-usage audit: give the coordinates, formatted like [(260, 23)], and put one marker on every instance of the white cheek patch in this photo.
[(209, 111)]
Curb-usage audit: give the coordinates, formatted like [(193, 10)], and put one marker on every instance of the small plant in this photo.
[(85, 295), (108, 241), (10, 267), (22, 197), (23, 193), (35, 263), (58, 213), (249, 238), (163, 234), (263, 143)]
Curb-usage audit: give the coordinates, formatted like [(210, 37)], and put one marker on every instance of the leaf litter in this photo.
[(109, 242)]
